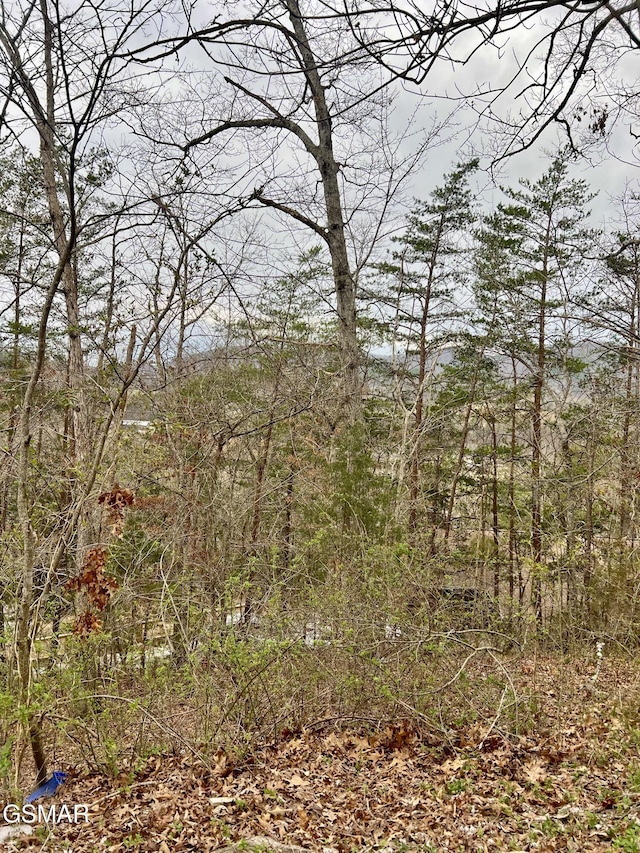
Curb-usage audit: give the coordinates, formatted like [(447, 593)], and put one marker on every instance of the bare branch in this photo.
[(292, 212)]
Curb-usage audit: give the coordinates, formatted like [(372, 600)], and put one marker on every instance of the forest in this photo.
[(320, 433)]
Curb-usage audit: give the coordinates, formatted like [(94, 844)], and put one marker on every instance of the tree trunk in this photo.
[(461, 452), (536, 456), (335, 229), (287, 527), (81, 429), (514, 563), (23, 630), (495, 527)]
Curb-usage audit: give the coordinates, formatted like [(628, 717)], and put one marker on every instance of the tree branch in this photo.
[(292, 212), (286, 123)]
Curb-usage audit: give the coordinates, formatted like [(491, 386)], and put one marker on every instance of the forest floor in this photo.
[(570, 780)]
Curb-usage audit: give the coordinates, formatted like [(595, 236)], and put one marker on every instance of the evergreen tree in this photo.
[(530, 254), (425, 283)]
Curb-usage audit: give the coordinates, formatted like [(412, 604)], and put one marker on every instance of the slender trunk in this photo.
[(23, 630), (13, 414), (344, 282), (480, 580), (261, 467), (513, 555), (63, 277), (64, 236), (108, 321), (17, 292), (414, 477), (461, 452), (182, 323), (263, 457), (636, 397), (536, 456), (625, 489), (157, 287), (569, 523), (588, 524), (46, 132), (434, 513), (422, 376), (495, 527), (287, 527)]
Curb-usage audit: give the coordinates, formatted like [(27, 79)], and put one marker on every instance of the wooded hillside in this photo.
[(284, 438)]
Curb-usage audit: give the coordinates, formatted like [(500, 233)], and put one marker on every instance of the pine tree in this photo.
[(530, 254), (425, 285)]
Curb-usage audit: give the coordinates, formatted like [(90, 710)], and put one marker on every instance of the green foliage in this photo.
[(422, 273), (283, 561), (131, 842), (628, 840)]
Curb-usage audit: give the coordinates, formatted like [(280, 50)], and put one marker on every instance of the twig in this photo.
[(502, 698), (158, 723)]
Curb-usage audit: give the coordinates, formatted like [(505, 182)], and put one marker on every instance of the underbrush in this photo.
[(234, 693)]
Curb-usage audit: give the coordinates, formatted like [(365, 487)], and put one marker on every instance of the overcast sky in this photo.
[(610, 165)]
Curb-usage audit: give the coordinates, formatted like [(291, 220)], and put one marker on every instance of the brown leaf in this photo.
[(535, 771)]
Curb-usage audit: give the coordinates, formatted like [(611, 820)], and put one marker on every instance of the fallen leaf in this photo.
[(534, 771), (452, 765)]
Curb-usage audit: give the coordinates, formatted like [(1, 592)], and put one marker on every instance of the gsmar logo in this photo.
[(22, 817), (50, 814)]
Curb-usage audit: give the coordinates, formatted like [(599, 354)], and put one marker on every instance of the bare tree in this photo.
[(291, 87), (562, 53), (61, 76)]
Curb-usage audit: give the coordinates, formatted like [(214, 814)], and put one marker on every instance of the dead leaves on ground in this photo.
[(574, 786)]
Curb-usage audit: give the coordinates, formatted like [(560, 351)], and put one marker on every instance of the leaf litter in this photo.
[(568, 781)]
